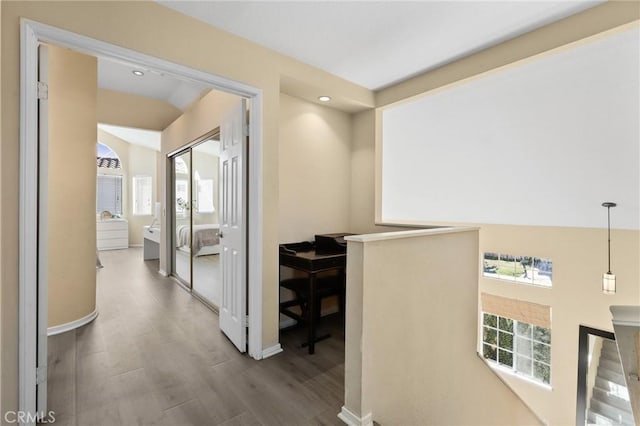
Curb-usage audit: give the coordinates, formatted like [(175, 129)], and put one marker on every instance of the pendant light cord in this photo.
[(608, 205), (609, 236)]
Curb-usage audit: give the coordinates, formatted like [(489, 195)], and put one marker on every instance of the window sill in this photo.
[(506, 281), (510, 372)]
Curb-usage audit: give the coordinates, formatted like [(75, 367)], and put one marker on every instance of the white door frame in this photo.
[(32, 33)]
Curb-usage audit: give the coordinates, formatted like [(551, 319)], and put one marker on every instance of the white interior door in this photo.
[(43, 130), (233, 207)]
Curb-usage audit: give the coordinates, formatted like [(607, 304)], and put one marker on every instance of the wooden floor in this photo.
[(155, 356)]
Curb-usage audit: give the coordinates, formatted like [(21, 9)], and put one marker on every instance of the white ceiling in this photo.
[(378, 43), (146, 138), (151, 138), (118, 76)]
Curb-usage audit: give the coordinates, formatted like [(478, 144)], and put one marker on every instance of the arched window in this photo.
[(107, 158), (108, 186), (181, 166)]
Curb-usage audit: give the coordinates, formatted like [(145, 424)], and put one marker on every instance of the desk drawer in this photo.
[(111, 235), (315, 265), (110, 244)]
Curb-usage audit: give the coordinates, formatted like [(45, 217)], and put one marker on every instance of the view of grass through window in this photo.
[(522, 347), (522, 269)]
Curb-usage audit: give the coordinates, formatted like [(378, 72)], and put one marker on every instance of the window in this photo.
[(107, 158), (517, 345), (205, 196), (181, 166), (521, 269), (182, 197), (109, 194), (142, 189)]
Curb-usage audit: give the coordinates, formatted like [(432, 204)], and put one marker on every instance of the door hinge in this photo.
[(43, 90), (245, 128), (246, 321), (41, 375)]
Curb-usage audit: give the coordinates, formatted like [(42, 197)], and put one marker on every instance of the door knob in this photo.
[(221, 235)]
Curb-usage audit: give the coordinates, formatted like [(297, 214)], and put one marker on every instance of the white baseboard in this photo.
[(63, 328), (163, 272), (351, 419), (273, 350)]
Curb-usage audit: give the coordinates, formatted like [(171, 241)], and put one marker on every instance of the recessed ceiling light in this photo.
[(138, 73), (324, 98)]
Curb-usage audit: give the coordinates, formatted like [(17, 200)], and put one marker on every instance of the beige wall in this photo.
[(314, 165), (180, 39), (418, 335), (127, 110), (201, 118), (135, 160), (71, 191), (1, 311), (149, 28), (142, 162), (579, 255), (362, 199), (579, 260)]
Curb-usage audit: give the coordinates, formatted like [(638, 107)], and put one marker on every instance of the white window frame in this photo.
[(201, 194), (140, 207), (182, 188), (518, 280), (117, 203), (514, 352)]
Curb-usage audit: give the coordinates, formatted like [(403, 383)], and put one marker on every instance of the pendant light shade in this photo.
[(608, 283), (608, 278)]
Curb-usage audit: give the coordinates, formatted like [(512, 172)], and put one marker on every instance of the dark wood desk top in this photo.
[(305, 257), (312, 258)]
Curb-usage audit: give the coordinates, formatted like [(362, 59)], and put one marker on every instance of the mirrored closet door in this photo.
[(196, 226), (181, 254)]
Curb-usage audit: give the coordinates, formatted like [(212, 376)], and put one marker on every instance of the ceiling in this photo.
[(378, 43), (119, 76), (151, 138), (146, 138)]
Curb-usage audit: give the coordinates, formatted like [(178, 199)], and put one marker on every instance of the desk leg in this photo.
[(311, 312)]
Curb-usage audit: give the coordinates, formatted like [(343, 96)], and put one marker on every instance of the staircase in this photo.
[(609, 403)]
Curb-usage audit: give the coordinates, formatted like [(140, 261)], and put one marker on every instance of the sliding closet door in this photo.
[(181, 250), (205, 247)]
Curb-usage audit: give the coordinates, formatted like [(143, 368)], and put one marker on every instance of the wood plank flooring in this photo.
[(155, 356)]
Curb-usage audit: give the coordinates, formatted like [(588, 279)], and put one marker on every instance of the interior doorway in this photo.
[(33, 278)]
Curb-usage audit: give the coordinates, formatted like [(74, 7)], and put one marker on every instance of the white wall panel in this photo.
[(543, 142)]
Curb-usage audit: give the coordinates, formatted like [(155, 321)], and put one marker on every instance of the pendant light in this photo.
[(608, 278)]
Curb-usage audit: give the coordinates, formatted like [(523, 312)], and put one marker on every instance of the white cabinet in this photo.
[(151, 243), (112, 234)]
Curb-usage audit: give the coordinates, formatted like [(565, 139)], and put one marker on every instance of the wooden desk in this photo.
[(304, 257)]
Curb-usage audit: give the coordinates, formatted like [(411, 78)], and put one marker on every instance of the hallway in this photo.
[(155, 356)]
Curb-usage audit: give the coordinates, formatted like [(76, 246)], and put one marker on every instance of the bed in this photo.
[(206, 238)]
